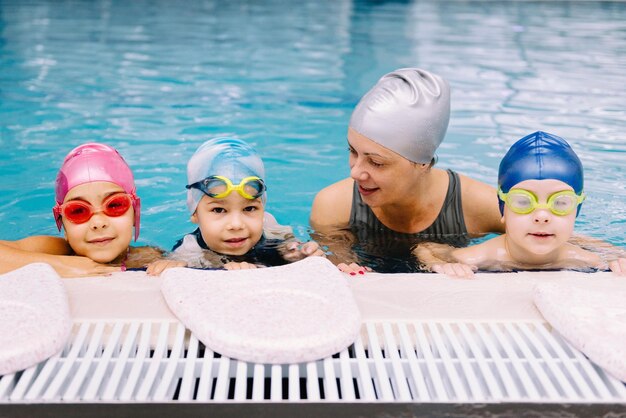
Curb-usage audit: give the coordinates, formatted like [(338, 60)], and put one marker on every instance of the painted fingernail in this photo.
[(352, 273), (361, 272)]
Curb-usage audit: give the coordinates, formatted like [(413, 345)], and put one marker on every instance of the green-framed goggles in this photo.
[(523, 201)]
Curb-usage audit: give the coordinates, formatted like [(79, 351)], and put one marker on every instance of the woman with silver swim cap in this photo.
[(394, 198)]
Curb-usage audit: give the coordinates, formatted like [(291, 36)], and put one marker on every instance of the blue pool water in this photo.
[(157, 78)]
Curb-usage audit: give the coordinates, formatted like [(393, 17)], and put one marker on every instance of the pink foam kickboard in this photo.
[(591, 315), (288, 314), (35, 320)]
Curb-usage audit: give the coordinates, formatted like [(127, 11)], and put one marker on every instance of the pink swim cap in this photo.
[(96, 162)]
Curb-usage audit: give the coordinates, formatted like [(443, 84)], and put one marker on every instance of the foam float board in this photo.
[(591, 315), (35, 320), (288, 314)]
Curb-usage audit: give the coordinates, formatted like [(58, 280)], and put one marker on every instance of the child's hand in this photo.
[(454, 270), (77, 266), (294, 250), (618, 266), (352, 269), (240, 266), (157, 267)]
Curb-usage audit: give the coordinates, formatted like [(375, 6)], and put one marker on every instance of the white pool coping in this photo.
[(397, 297)]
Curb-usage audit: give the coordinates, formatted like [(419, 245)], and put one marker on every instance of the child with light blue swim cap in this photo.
[(226, 196), (540, 191)]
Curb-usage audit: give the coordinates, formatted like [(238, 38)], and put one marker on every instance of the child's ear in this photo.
[(194, 218)]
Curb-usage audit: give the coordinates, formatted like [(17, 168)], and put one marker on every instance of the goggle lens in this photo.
[(523, 202), (79, 212), (219, 187)]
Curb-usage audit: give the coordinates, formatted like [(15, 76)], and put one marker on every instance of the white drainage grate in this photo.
[(441, 362)]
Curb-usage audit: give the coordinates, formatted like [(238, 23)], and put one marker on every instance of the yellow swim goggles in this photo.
[(523, 202), (219, 187)]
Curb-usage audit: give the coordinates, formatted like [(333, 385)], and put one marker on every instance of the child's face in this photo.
[(539, 232), (102, 238), (231, 225)]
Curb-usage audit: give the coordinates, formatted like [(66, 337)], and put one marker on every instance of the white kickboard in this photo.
[(295, 313), (35, 320), (591, 315)]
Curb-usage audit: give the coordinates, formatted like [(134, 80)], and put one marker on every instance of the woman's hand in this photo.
[(353, 269), (454, 270)]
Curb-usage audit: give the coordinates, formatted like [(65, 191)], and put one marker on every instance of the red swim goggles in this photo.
[(79, 211)]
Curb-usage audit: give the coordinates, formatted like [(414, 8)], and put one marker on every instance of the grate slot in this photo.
[(551, 363), (419, 386), (399, 382), (346, 381), (474, 386), (454, 379), (138, 364), (381, 379), (493, 385), (188, 384), (433, 376), (365, 383), (169, 379)]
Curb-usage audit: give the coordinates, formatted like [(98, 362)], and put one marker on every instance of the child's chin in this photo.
[(237, 252)]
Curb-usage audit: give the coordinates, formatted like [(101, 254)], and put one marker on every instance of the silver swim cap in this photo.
[(407, 111)]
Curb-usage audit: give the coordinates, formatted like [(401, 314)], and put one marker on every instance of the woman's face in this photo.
[(382, 176), (102, 238)]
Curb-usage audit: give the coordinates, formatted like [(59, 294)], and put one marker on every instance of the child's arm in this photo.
[(613, 257), (51, 250), (293, 250), (618, 266), (339, 244), (443, 259), (232, 265)]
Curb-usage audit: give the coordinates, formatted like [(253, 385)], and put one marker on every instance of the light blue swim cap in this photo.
[(228, 157), (407, 111), (540, 156)]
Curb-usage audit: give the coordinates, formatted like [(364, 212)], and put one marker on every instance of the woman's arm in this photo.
[(330, 218)]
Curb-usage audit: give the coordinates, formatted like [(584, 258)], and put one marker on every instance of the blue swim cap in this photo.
[(540, 156), (228, 157)]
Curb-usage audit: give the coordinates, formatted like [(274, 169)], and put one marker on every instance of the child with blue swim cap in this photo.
[(540, 192), (226, 195)]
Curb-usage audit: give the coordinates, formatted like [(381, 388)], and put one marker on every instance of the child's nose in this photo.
[(541, 216), (98, 220), (235, 221)]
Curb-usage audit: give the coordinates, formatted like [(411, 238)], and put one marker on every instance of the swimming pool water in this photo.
[(157, 78)]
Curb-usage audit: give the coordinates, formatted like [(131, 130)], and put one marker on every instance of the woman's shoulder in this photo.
[(480, 206), (332, 205)]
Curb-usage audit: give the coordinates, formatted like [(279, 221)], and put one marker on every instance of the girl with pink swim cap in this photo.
[(98, 208)]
